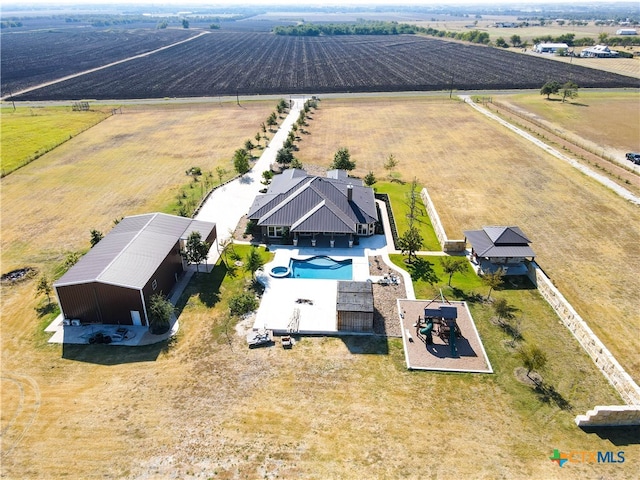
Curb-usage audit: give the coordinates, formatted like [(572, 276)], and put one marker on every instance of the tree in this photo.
[(221, 172), (295, 163), (500, 42), (550, 88), (451, 265), (248, 145), (342, 160), (515, 40), (96, 236), (196, 250), (369, 179), (391, 163), (272, 120), (284, 156), (185, 23), (412, 203), (241, 161), (258, 137), (569, 90), (503, 309), (71, 259), (532, 357), (242, 303), (267, 175), (44, 286), (410, 242), (282, 104), (493, 280), (254, 262), (160, 313)]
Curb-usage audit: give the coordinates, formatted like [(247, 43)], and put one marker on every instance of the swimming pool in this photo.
[(321, 267)]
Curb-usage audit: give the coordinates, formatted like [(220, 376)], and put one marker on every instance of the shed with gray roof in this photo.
[(115, 280), (354, 306)]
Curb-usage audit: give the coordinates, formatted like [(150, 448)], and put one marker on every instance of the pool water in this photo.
[(321, 268)]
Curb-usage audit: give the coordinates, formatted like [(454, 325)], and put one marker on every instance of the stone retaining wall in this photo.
[(449, 246), (611, 416)]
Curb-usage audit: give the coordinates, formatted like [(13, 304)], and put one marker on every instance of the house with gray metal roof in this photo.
[(141, 256), (308, 208), (500, 247)]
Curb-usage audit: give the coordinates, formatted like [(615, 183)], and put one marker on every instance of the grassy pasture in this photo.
[(129, 164), (479, 174), (28, 133), (604, 120)]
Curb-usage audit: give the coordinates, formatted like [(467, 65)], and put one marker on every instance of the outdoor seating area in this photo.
[(441, 336)]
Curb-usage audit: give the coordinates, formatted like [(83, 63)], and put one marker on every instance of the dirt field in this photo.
[(479, 174)]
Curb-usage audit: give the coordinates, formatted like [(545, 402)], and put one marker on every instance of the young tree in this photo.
[(412, 203), (71, 259), (295, 163), (503, 309), (44, 286), (185, 23), (569, 90), (369, 179), (96, 236), (451, 265), (410, 242), (254, 262), (160, 312), (272, 120), (258, 137), (342, 160), (249, 146), (550, 88), (515, 40), (390, 163), (532, 357), (221, 172), (196, 250), (284, 156), (267, 175), (241, 161), (493, 280)]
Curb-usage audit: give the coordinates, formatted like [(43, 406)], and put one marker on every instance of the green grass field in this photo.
[(28, 133)]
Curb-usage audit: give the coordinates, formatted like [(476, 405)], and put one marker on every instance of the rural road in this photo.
[(623, 192), (68, 77), (227, 204)]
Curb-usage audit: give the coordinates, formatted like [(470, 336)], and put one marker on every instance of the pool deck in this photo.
[(308, 306)]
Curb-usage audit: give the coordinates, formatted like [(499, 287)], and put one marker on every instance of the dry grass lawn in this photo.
[(585, 237), (205, 406), (603, 121), (128, 164)]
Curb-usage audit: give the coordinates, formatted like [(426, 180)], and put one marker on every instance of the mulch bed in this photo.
[(385, 316)]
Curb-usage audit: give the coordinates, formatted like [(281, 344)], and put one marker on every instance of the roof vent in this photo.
[(350, 192)]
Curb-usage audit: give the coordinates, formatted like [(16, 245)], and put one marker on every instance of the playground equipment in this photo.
[(442, 321)]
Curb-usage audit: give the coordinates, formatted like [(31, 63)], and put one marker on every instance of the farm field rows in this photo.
[(226, 63), (37, 57), (480, 174)]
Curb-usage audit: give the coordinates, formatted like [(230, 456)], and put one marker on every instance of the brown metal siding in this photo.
[(165, 276), (355, 321), (212, 236), (99, 303)]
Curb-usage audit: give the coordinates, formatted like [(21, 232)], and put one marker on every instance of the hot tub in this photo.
[(280, 272)]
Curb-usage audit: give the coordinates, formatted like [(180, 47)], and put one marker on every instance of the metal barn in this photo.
[(114, 281), (354, 306)]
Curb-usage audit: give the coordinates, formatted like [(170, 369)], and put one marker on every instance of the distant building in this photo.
[(599, 51), (626, 31), (550, 47)]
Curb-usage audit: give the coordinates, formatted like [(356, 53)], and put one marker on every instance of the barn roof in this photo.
[(130, 253), (492, 242)]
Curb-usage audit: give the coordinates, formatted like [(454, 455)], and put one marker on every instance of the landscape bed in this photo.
[(228, 63)]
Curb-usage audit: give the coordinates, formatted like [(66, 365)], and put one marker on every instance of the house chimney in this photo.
[(350, 192)]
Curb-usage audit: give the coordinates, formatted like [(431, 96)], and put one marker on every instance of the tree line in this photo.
[(359, 28)]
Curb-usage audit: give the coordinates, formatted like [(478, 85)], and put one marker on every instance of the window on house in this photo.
[(275, 231), (363, 229)]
